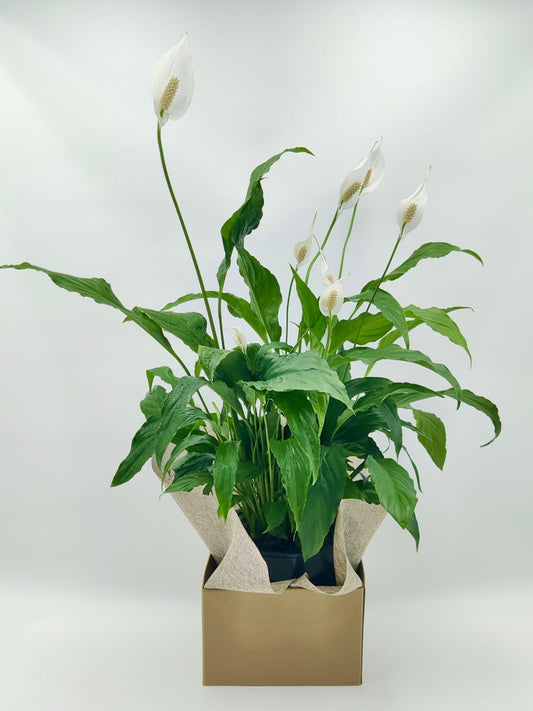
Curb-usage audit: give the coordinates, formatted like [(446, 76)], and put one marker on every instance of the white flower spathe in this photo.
[(172, 82), (364, 178), (302, 249), (239, 338), (331, 299), (411, 209)]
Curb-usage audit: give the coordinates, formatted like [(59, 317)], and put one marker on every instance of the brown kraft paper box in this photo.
[(296, 637)]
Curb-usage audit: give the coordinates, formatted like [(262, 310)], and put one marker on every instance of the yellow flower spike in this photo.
[(411, 209), (364, 178), (302, 249)]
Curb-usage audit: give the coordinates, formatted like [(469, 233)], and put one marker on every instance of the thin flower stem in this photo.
[(328, 339), (287, 310), (186, 234), (322, 245), (219, 309), (348, 238)]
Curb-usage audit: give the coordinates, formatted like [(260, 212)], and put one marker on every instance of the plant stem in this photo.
[(186, 234), (380, 280), (348, 237), (219, 310), (322, 245), (287, 310)]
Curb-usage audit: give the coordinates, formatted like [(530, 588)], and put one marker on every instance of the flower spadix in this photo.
[(331, 299), (411, 209), (172, 82), (302, 249), (364, 178)]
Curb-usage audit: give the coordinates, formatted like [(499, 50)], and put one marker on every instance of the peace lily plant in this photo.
[(284, 427)]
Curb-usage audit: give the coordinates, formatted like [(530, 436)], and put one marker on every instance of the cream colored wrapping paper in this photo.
[(240, 565)]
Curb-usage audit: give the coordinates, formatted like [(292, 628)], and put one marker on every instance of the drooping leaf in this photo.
[(191, 328), (395, 488), (390, 414), (164, 373), (188, 482), (302, 423), (174, 412), (225, 474), (433, 438), (430, 250), (293, 462), (305, 371), (323, 499), (365, 329), (413, 529), (237, 306), (439, 321), (377, 389), (395, 352), (142, 448), (389, 307), (229, 366), (153, 401), (275, 514), (248, 216), (265, 294)]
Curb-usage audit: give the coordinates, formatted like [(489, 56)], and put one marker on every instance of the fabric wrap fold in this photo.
[(240, 565)]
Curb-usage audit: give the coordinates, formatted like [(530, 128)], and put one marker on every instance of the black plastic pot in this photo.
[(285, 561)]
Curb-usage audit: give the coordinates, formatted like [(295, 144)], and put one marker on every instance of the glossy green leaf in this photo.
[(142, 448), (371, 391), (394, 487), (191, 328), (225, 474), (433, 438), (174, 412), (265, 294), (389, 412), (313, 319), (153, 401), (305, 371), (302, 423), (389, 307), (323, 499), (164, 373), (237, 307), (440, 322), (293, 461), (188, 482), (275, 514), (413, 529), (247, 218), (370, 356), (366, 329), (225, 365)]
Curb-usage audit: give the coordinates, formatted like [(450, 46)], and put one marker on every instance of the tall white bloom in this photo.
[(411, 209), (364, 178), (172, 82), (302, 249)]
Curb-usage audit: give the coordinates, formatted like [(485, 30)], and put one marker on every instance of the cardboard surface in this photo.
[(298, 637)]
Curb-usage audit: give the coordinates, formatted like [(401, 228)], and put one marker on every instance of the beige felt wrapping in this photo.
[(240, 565)]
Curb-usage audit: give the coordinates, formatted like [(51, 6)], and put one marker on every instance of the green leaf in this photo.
[(394, 487), (93, 288), (305, 371), (188, 482), (293, 462), (191, 328), (302, 423), (365, 329), (153, 401), (389, 307), (433, 438), (247, 218), (323, 499), (275, 514), (237, 307), (225, 474), (174, 412), (430, 250), (413, 529), (389, 412), (229, 366), (377, 389), (312, 318), (142, 448), (164, 373), (369, 356), (265, 294), (439, 321)]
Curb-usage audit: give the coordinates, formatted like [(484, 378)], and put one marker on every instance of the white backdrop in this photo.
[(446, 83)]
